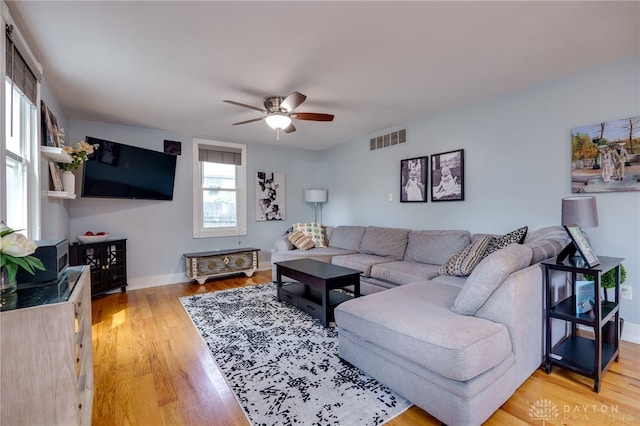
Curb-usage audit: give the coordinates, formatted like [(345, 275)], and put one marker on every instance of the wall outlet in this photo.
[(625, 292)]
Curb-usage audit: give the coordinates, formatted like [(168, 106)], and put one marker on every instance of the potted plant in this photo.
[(607, 281)]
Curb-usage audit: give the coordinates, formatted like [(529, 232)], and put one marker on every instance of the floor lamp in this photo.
[(316, 196)]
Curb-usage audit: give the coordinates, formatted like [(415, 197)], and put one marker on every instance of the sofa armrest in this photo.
[(282, 244), (519, 304)]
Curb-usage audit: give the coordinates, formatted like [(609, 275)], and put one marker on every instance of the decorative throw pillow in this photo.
[(463, 262), (512, 237), (314, 230), (489, 276), (301, 241)]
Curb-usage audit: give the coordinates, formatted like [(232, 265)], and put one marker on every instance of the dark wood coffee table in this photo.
[(315, 293)]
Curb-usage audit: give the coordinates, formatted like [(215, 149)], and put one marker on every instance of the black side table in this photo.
[(582, 355)]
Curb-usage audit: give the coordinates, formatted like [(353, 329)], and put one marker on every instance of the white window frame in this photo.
[(32, 155), (199, 231)]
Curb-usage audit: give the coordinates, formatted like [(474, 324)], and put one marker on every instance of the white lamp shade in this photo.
[(315, 195), (278, 121), (581, 211)]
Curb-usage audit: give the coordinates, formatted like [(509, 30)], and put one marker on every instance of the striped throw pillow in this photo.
[(301, 241), (462, 263)]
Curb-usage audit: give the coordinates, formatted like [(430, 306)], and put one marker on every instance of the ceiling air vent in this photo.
[(390, 139)]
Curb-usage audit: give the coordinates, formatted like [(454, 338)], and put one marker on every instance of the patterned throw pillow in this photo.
[(513, 237), (301, 241), (314, 230), (462, 263)]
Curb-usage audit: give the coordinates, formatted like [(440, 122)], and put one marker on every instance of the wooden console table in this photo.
[(46, 352), (209, 264)]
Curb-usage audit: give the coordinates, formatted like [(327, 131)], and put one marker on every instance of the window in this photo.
[(20, 205), (219, 182)]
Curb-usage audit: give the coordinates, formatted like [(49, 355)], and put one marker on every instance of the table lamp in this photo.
[(577, 212)]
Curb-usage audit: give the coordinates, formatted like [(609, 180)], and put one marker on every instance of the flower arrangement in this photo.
[(16, 251), (79, 155)]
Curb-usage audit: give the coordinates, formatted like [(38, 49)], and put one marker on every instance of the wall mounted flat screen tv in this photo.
[(116, 170)]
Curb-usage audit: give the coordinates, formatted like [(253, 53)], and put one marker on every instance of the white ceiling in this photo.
[(375, 65)]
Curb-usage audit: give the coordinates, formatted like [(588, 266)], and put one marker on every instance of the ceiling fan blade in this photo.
[(245, 106), (248, 121), (292, 101), (313, 116), (290, 128)]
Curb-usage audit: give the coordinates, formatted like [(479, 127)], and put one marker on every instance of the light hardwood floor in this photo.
[(152, 368)]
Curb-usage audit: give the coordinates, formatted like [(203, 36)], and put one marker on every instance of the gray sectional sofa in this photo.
[(456, 346)]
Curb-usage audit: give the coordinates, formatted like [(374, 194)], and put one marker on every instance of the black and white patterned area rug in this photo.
[(283, 365)]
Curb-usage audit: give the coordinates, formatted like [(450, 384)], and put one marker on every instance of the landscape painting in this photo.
[(605, 157)]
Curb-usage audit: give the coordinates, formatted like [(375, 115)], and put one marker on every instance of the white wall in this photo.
[(517, 166), (159, 232), (54, 223)]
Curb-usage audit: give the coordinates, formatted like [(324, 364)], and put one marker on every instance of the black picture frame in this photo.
[(413, 180), (579, 242), (447, 176), (172, 147)]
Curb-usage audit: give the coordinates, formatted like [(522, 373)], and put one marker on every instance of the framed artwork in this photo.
[(413, 180), (270, 192), (49, 127), (447, 176), (605, 156), (172, 147), (56, 179), (580, 242)]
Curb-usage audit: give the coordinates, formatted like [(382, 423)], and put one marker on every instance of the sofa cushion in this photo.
[(323, 254), (489, 275), (414, 322), (450, 280), (546, 242), (314, 230), (544, 249), (435, 247), (403, 272), (362, 262), (301, 241), (388, 242), (464, 261), (518, 236), (347, 237)]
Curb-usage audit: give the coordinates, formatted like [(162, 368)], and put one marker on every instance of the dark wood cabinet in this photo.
[(108, 263)]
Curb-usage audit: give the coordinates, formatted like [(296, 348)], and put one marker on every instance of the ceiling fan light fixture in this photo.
[(278, 121)]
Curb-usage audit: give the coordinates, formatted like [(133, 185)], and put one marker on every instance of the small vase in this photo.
[(69, 182), (7, 285)]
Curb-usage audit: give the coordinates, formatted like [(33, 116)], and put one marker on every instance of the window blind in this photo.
[(18, 70), (220, 154)]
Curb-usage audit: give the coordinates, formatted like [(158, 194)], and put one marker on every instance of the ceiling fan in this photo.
[(279, 112)]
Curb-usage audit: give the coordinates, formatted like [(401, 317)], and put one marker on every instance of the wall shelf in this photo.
[(61, 194), (56, 154)]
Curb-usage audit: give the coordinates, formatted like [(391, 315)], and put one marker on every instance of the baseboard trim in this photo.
[(166, 279), (630, 331)]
